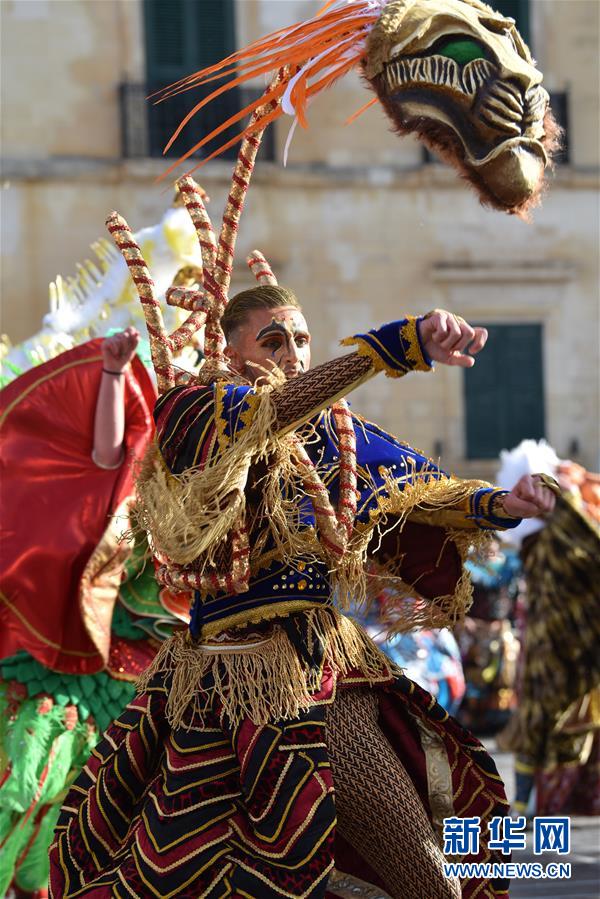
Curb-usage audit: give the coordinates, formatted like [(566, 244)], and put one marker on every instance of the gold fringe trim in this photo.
[(401, 498), (265, 680), (176, 512), (405, 611), (398, 499), (364, 348), (190, 515)]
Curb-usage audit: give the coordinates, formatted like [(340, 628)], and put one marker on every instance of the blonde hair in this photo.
[(263, 296)]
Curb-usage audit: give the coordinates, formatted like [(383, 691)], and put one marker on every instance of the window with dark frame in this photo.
[(181, 37), (504, 391), (517, 10)]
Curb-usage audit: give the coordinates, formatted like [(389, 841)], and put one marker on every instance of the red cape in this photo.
[(57, 504)]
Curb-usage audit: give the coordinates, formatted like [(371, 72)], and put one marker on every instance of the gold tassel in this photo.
[(190, 515), (417, 492), (263, 680)]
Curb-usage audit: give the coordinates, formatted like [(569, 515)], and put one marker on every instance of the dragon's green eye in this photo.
[(461, 50)]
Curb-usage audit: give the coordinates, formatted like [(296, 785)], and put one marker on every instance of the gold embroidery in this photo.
[(364, 348), (415, 361), (101, 579), (439, 779), (414, 353)]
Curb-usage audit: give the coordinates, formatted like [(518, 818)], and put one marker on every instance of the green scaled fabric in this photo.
[(99, 695), (43, 749), (140, 595), (123, 624)]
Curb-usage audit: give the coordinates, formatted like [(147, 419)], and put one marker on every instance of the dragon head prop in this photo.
[(459, 76), (454, 72)]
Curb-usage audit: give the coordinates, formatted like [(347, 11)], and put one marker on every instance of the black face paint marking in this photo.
[(284, 329), (284, 332)]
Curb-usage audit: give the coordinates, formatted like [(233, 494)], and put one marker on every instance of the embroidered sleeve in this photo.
[(193, 422), (479, 510), (399, 480), (185, 426), (395, 348)]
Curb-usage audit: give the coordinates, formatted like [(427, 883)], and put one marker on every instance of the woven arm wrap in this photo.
[(395, 348), (299, 399), (186, 417)]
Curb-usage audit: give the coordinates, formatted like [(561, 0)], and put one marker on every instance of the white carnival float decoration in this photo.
[(101, 297)]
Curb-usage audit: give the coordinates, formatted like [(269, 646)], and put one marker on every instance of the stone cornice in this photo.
[(550, 271), (116, 170)]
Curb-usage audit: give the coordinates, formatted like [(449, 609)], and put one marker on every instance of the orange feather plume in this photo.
[(312, 56)]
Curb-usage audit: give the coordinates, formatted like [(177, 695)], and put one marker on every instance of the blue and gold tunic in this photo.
[(195, 424)]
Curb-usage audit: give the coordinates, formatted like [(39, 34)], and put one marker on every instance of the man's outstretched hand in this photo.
[(529, 498), (445, 337)]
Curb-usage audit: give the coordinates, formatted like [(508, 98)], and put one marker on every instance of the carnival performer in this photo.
[(276, 740), (277, 714), (73, 639), (555, 729), (488, 639)]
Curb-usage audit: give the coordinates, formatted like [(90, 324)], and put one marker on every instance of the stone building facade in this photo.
[(360, 223)]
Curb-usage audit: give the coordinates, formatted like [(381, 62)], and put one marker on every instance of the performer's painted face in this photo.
[(271, 337)]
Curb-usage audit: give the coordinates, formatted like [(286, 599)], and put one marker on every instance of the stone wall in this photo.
[(357, 224)]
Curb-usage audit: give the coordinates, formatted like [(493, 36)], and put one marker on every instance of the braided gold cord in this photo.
[(177, 579), (159, 340), (347, 502), (240, 182), (215, 339), (192, 197), (181, 578), (184, 333), (261, 269), (196, 303), (335, 528), (188, 298)]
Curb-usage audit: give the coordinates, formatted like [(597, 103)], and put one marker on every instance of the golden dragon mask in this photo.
[(454, 72), (459, 75)]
